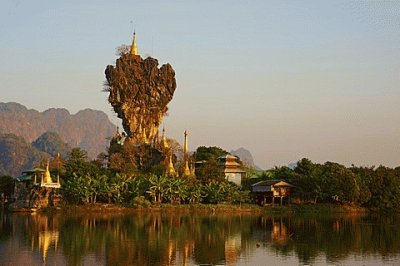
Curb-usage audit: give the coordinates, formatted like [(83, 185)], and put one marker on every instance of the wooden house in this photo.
[(267, 192)]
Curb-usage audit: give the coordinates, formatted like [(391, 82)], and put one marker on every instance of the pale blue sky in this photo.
[(284, 79)]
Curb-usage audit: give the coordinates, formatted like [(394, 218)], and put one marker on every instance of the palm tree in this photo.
[(157, 188)]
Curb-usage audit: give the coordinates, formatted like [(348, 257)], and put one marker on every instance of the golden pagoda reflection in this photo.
[(233, 247), (184, 253), (46, 237), (46, 240)]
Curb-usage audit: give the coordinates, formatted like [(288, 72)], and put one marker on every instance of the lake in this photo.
[(198, 239)]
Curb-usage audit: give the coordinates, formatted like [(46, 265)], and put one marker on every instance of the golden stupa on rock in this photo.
[(47, 181)]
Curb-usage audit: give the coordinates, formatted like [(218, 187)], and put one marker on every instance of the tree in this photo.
[(119, 184), (203, 153), (304, 167), (6, 185), (367, 176), (195, 193), (385, 188), (175, 190), (213, 192), (77, 164), (157, 188), (207, 167)]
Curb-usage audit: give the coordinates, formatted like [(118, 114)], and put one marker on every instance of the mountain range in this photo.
[(88, 129), (28, 137)]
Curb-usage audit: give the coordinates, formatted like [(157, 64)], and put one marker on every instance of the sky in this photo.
[(284, 79)]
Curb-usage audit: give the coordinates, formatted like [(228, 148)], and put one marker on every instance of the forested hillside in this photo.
[(17, 155), (87, 129)]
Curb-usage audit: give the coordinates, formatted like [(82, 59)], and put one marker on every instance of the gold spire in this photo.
[(186, 171), (164, 143), (47, 177), (134, 50), (47, 181), (185, 144), (171, 169)]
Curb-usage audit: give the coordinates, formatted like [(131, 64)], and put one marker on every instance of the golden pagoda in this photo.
[(170, 171), (186, 170), (134, 50), (164, 143), (47, 181)]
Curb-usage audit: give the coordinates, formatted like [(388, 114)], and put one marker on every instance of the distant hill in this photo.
[(245, 156), (51, 143), (17, 155), (87, 129)]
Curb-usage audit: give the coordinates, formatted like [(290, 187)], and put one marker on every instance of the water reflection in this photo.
[(192, 239)]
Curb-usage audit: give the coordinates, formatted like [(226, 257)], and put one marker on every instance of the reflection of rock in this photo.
[(139, 94)]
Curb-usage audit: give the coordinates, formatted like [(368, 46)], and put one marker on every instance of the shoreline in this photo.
[(100, 208)]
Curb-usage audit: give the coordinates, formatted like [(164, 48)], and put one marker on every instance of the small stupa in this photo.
[(186, 170), (134, 50), (47, 181)]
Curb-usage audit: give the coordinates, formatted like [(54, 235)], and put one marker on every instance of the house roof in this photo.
[(234, 170), (24, 178), (228, 161), (34, 170), (227, 156), (272, 182)]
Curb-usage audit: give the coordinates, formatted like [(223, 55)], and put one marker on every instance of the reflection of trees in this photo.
[(335, 236), (183, 239), (154, 239)]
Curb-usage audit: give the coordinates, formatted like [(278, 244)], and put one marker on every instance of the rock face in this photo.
[(17, 155), (246, 157), (139, 93), (87, 129), (36, 198), (51, 143)]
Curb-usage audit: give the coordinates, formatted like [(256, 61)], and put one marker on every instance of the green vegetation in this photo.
[(6, 186), (207, 164), (137, 179), (374, 188), (126, 183)]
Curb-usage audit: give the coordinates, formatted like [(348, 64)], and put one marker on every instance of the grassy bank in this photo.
[(314, 209)]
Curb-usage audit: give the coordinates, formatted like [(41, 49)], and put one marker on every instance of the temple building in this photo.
[(232, 169)]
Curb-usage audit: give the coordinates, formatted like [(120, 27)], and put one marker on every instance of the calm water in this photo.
[(194, 239)]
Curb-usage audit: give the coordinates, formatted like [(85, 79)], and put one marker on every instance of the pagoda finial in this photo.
[(186, 170), (134, 50), (170, 171), (47, 176), (164, 143), (185, 143)]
